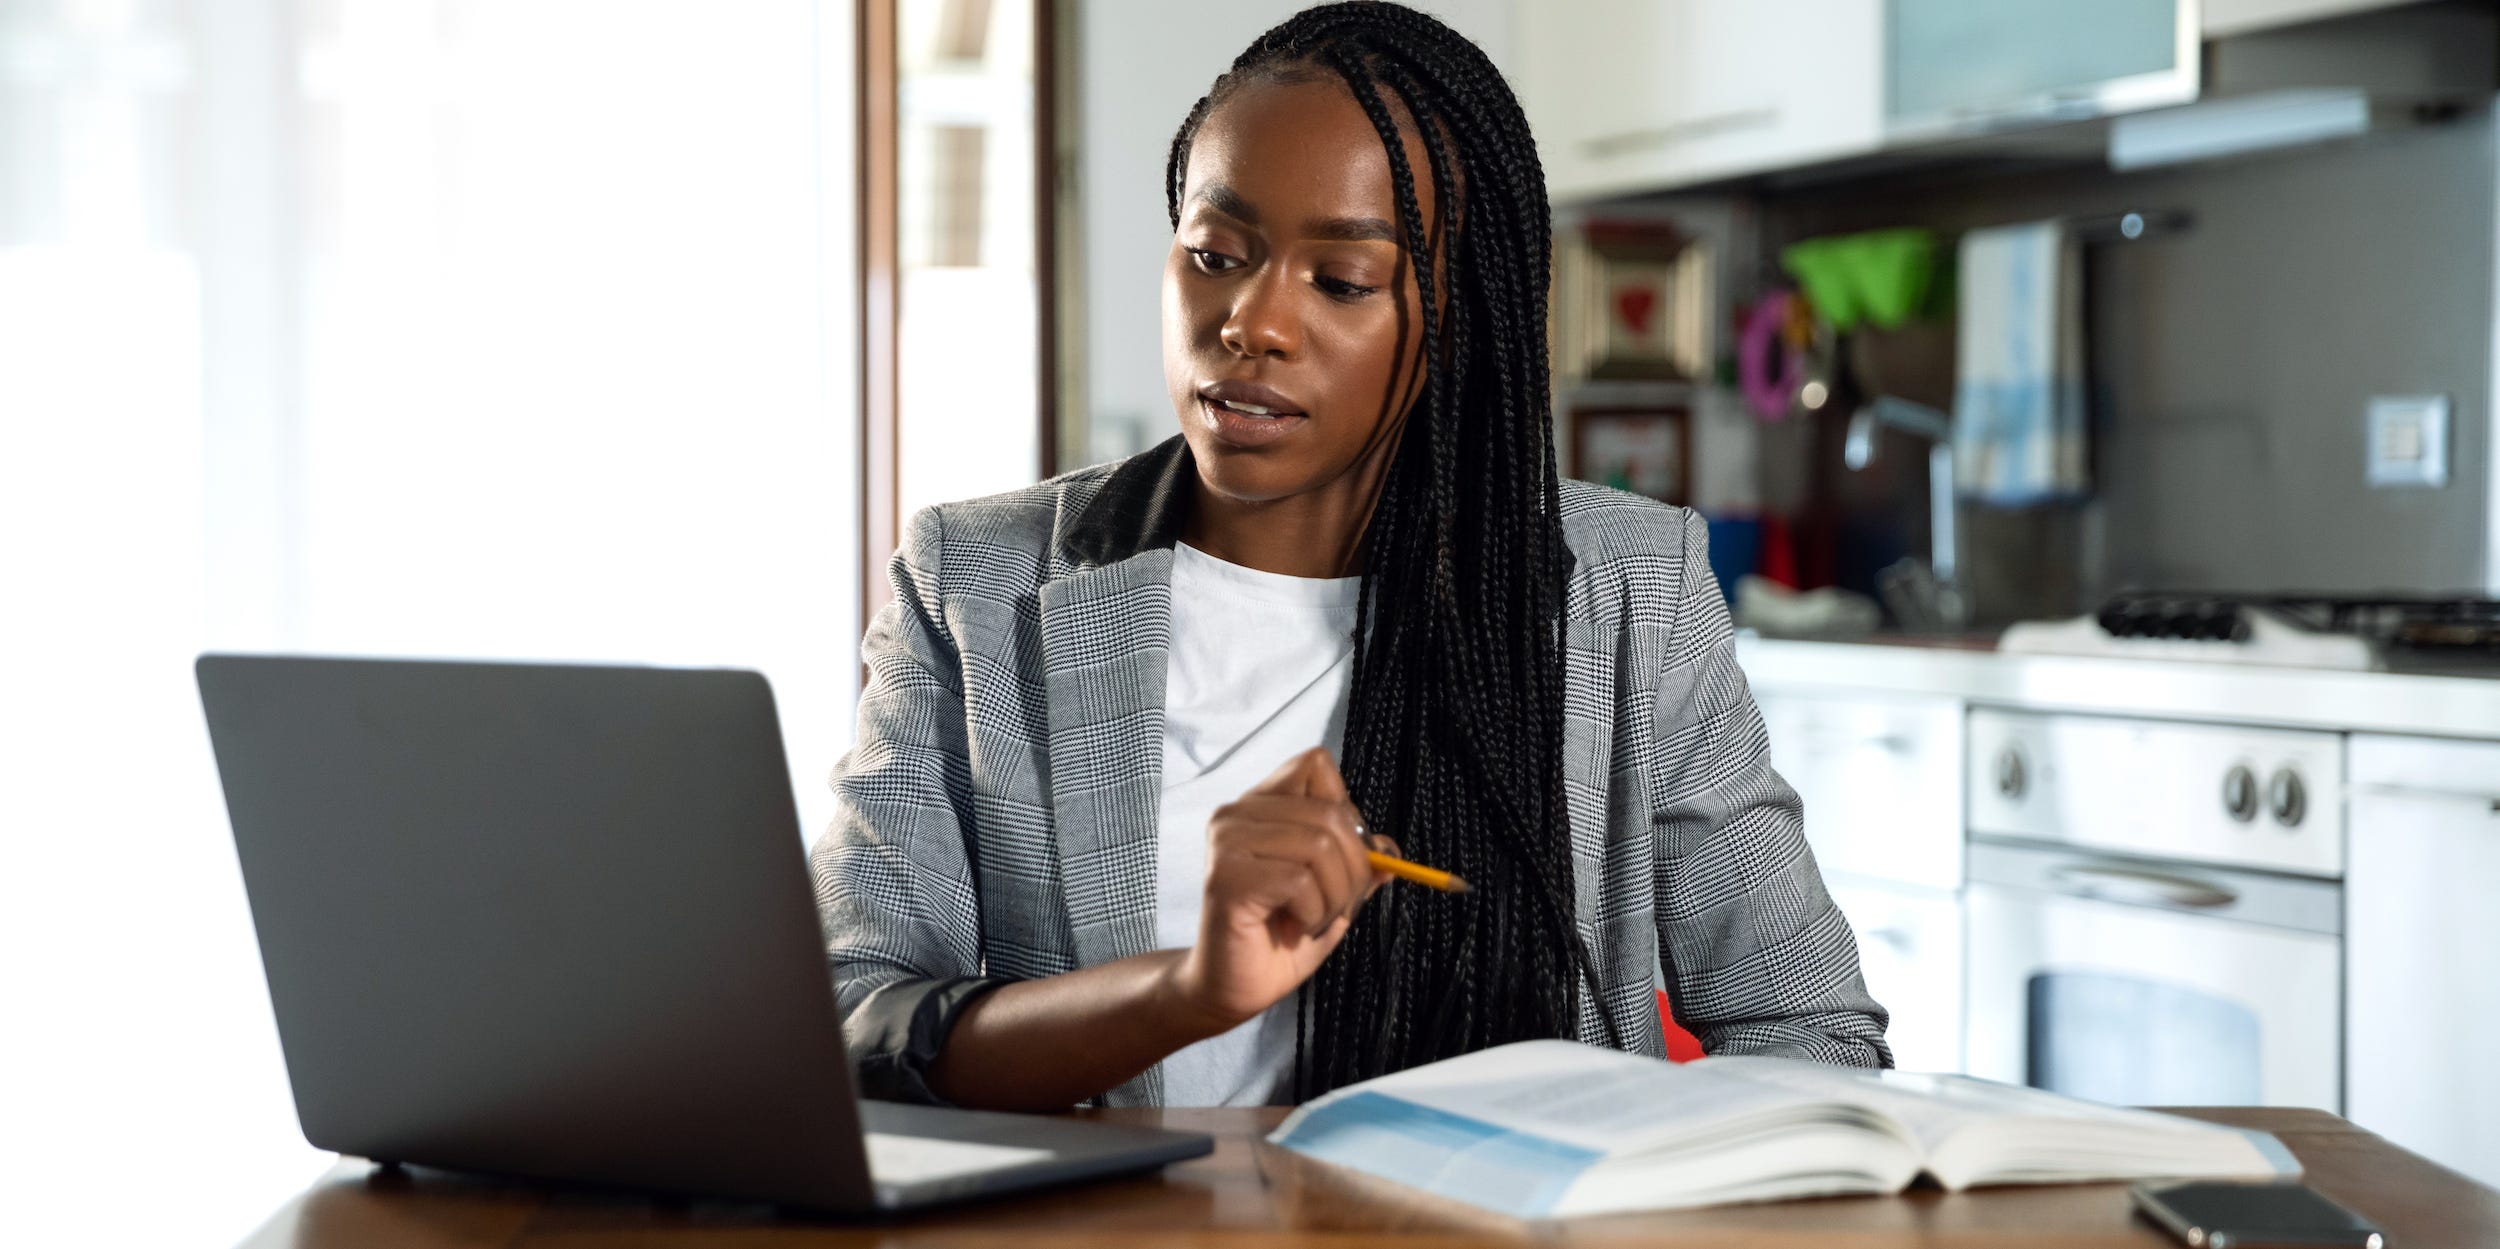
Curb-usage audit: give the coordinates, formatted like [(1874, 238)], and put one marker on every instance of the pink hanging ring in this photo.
[(1769, 397)]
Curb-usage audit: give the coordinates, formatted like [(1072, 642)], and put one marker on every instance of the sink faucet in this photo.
[(1939, 601)]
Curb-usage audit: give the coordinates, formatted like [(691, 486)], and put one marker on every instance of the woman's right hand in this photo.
[(1285, 874)]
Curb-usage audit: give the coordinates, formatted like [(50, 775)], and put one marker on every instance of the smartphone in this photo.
[(2248, 1216)]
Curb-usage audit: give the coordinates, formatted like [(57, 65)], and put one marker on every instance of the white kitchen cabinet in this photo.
[(1629, 95), (1881, 777), (1910, 950), (2422, 999), (1972, 66)]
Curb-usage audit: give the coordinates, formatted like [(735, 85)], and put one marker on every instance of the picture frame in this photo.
[(1632, 303), (1645, 450)]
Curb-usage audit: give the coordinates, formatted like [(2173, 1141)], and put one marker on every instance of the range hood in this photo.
[(2321, 81), (2335, 78)]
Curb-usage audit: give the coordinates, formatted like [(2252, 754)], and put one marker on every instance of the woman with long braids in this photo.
[(1129, 733)]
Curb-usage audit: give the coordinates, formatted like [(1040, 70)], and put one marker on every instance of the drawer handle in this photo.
[(2407, 792), (1838, 741), (2124, 884)]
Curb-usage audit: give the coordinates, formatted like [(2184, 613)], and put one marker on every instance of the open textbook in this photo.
[(1557, 1128)]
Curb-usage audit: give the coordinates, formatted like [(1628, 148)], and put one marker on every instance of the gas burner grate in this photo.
[(2420, 622)]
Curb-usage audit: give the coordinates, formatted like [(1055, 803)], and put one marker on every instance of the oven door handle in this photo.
[(2141, 887)]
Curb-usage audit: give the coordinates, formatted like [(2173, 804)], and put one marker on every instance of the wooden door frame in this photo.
[(880, 298), (880, 277), (1046, 85)]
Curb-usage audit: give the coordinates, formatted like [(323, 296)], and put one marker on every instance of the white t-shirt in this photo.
[(1260, 665)]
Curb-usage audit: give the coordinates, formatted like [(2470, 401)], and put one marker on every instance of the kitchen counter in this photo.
[(1968, 667)]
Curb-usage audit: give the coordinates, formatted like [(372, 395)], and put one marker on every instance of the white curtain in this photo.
[(512, 328)]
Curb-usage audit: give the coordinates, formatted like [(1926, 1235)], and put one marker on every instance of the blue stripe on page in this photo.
[(1455, 1156)]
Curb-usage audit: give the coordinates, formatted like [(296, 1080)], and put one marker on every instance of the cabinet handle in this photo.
[(2406, 792), (1629, 141)]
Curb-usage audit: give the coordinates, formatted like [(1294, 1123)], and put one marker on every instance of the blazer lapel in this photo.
[(1106, 641), (1106, 633)]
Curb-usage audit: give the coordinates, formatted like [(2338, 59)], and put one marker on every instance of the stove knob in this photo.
[(2010, 779), (2287, 798), (2239, 793)]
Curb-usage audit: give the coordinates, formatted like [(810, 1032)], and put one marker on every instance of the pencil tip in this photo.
[(1460, 886)]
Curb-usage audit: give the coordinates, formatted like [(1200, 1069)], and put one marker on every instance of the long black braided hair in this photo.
[(1453, 739)]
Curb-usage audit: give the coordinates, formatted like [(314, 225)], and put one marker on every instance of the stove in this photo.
[(2347, 633)]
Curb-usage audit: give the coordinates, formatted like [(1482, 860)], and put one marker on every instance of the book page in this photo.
[(1544, 1127), (1595, 1099), (1518, 1128), (1983, 1131), (1928, 1108), (1932, 1107)]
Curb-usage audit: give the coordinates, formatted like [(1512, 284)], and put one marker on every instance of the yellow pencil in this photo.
[(1430, 877)]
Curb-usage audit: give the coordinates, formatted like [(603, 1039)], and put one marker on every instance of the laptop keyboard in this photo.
[(894, 1159)]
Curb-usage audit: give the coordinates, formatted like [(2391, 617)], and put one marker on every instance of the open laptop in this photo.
[(555, 921)]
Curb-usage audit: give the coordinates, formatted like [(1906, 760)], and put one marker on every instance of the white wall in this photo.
[(443, 327), (1142, 64)]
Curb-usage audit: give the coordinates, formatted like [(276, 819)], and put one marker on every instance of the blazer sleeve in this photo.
[(893, 874), (1757, 958)]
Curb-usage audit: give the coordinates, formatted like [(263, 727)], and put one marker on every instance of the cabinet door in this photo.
[(1644, 94), (1881, 778), (1910, 949), (1959, 65), (2422, 1001)]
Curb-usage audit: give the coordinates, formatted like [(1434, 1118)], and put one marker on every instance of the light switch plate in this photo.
[(2409, 440)]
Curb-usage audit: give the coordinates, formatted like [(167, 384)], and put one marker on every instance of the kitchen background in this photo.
[(2249, 247), (629, 330)]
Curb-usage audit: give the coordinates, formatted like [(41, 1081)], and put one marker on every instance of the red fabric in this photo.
[(1681, 1047), (1778, 560)]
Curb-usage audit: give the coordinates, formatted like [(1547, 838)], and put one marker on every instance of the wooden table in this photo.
[(1249, 1193)]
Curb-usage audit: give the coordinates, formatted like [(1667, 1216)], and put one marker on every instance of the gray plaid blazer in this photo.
[(997, 813)]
